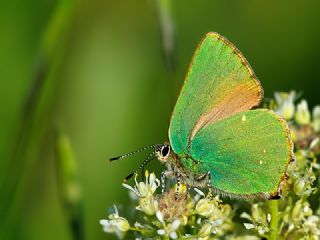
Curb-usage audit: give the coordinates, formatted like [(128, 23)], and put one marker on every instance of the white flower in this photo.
[(205, 207), (148, 205), (142, 189), (205, 230), (145, 191), (115, 224), (285, 103), (302, 115), (312, 225), (316, 118)]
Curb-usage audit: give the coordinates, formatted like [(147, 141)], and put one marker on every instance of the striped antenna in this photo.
[(131, 153), (148, 159)]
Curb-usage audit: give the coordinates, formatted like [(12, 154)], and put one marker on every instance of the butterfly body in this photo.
[(177, 170)]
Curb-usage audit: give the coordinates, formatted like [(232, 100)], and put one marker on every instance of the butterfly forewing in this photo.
[(219, 83)]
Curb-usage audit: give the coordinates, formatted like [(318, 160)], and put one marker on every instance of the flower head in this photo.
[(115, 224), (145, 191), (285, 102), (206, 207)]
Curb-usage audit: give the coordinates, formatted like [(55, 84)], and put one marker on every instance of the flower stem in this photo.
[(135, 229), (273, 205)]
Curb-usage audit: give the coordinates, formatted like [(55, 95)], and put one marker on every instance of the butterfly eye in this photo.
[(165, 150)]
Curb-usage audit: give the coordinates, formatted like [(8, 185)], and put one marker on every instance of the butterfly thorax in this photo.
[(176, 169)]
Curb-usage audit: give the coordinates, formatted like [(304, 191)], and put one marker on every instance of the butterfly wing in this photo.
[(219, 83), (246, 153)]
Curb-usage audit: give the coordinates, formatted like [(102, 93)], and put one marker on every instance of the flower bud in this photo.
[(285, 103), (122, 224), (316, 118), (204, 207), (302, 115), (205, 230), (299, 186), (148, 205)]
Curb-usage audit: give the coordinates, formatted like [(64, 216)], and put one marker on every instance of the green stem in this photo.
[(168, 39), (135, 229), (68, 185), (273, 206), (167, 32)]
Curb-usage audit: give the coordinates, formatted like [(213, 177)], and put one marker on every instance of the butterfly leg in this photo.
[(164, 175), (210, 194), (163, 179), (205, 181), (178, 186)]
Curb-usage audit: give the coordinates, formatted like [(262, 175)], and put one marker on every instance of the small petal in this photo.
[(249, 225), (173, 235), (314, 143), (148, 205), (131, 188), (122, 224), (138, 225), (205, 230), (115, 210), (199, 192), (268, 217), (104, 222), (246, 216), (161, 232), (175, 225), (143, 189), (160, 216)]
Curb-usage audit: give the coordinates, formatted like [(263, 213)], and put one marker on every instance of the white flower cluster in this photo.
[(300, 113), (168, 216)]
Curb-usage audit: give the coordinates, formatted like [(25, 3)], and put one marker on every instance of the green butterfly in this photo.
[(215, 140)]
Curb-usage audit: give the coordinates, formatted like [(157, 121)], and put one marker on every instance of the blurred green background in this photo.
[(97, 73)]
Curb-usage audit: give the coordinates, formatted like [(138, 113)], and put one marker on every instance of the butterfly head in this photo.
[(162, 152)]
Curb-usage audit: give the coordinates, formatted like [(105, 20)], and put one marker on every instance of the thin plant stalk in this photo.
[(167, 32), (274, 222), (68, 185)]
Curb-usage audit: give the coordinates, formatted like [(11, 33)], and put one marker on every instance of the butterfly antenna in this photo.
[(148, 159), (131, 153)]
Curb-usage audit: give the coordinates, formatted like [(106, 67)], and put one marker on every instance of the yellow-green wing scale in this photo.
[(246, 153), (211, 130)]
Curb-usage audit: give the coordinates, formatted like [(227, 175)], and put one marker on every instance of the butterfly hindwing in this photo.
[(246, 153), (219, 83)]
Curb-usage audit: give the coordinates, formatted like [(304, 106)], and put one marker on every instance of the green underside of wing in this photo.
[(216, 71), (246, 153)]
